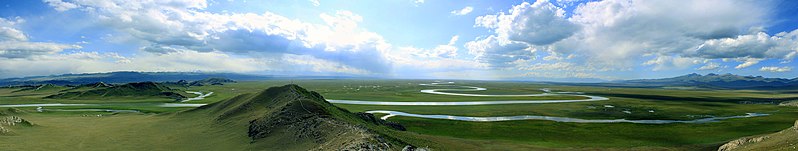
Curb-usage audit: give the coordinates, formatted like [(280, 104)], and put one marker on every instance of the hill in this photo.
[(211, 81), (89, 86), (123, 77), (292, 118), (711, 80), (784, 140), (140, 89)]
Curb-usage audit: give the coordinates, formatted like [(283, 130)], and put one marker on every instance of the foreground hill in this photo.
[(101, 90), (292, 118), (780, 141)]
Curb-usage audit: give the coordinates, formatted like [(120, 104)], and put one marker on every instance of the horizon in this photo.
[(391, 78), (543, 41)]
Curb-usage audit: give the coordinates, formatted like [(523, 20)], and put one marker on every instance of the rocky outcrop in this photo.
[(789, 103), (740, 142), (9, 121)]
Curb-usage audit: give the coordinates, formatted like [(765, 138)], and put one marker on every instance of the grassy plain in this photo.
[(156, 128)]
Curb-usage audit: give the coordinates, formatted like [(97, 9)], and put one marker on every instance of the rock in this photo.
[(789, 103), (735, 144), (13, 120), (739, 142), (6, 121), (413, 148)]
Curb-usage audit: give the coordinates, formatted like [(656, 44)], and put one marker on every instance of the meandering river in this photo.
[(547, 92), (200, 96)]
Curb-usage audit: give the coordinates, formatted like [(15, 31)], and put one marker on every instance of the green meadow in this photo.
[(159, 127)]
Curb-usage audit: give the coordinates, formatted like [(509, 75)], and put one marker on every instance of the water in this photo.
[(89, 110), (559, 119), (199, 97), (472, 88), (547, 92)]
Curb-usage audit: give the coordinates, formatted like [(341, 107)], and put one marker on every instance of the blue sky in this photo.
[(557, 40)]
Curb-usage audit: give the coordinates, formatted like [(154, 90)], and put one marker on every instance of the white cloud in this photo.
[(320, 65), (80, 62), (562, 75), (498, 52), (747, 62), (540, 23), (619, 34), (418, 2), (170, 26), (775, 69), (14, 43), (9, 33), (448, 50), (18, 49), (61, 5), (758, 45), (710, 66), (671, 62), (315, 2), (463, 11)]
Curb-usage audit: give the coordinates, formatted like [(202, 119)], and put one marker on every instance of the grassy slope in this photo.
[(780, 141)]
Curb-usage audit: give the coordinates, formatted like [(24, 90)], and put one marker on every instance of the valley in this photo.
[(547, 116)]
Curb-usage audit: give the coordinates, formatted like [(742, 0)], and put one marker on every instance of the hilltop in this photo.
[(292, 118), (42, 87), (101, 90)]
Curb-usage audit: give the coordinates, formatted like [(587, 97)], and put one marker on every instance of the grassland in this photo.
[(156, 126)]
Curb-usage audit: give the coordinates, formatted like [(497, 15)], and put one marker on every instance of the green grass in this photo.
[(159, 129)]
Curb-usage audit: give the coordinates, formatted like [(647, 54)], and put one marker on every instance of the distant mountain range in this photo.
[(714, 81), (125, 77), (122, 77)]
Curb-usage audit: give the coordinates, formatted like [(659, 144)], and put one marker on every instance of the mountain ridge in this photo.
[(137, 89), (723, 81)]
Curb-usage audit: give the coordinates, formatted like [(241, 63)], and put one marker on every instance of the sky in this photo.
[(544, 40)]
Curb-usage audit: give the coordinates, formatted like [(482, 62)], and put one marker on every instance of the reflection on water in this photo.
[(558, 119)]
